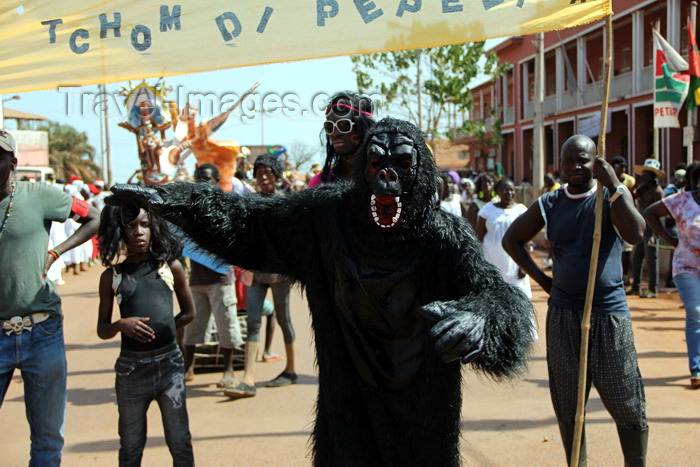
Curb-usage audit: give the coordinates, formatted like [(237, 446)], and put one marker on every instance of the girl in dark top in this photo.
[(150, 365)]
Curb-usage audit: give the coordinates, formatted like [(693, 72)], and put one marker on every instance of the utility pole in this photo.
[(419, 87), (104, 110), (538, 129), (656, 155)]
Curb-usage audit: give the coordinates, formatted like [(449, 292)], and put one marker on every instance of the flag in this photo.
[(693, 68), (671, 82)]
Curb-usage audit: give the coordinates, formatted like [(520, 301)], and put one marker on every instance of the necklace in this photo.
[(8, 211)]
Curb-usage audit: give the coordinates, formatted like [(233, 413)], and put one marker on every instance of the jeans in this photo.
[(689, 289), (141, 378), (41, 357), (641, 251)]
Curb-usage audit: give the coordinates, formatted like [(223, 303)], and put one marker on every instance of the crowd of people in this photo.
[(49, 233)]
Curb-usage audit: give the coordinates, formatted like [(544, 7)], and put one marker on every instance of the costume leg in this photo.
[(689, 290), (44, 372), (563, 341), (173, 408)]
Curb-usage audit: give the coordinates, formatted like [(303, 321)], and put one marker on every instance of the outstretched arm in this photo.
[(264, 234)]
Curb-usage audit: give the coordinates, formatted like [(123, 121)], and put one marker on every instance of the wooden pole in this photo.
[(595, 250)]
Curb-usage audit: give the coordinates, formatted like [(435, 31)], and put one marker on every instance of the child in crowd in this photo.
[(150, 365)]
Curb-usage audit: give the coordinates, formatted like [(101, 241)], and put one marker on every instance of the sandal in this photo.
[(283, 379), (695, 381), (225, 382), (271, 358), (239, 389)]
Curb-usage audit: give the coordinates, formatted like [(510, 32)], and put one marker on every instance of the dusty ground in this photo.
[(503, 424)]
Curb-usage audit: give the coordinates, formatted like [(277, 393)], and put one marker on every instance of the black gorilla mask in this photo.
[(389, 170)]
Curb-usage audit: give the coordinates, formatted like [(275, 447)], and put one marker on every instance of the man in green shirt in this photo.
[(32, 330)]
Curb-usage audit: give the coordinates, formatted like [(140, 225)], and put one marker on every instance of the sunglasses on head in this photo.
[(343, 125)]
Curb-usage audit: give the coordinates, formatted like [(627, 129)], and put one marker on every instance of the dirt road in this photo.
[(503, 424)]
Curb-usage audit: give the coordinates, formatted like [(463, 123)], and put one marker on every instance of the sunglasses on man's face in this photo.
[(343, 125)]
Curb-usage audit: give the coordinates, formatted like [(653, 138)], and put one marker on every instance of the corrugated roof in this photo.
[(9, 113)]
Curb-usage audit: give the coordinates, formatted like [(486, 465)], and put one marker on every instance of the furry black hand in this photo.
[(457, 334), (124, 195)]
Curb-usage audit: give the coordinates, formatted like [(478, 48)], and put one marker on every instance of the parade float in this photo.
[(162, 158)]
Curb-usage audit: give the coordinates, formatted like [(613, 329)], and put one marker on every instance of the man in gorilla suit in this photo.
[(398, 290)]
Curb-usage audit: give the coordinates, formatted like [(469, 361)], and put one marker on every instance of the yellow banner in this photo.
[(49, 43)]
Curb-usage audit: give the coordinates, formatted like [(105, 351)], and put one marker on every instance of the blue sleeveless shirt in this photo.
[(569, 222)]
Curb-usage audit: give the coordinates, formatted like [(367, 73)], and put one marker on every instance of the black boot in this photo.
[(567, 438), (634, 446)]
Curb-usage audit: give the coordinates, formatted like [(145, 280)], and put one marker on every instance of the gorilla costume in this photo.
[(399, 293)]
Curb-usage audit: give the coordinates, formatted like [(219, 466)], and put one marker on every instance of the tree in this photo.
[(432, 102), (301, 154), (70, 152)]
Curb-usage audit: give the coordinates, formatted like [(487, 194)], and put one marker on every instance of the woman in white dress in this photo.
[(493, 221)]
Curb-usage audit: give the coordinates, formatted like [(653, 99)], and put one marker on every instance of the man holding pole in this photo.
[(568, 215)]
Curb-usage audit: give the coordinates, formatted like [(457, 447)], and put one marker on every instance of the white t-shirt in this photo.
[(497, 222)]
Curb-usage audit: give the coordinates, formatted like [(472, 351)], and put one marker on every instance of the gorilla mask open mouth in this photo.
[(385, 210)]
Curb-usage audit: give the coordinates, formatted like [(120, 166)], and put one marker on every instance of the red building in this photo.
[(573, 89)]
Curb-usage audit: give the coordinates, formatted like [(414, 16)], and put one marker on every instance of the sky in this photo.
[(292, 94)]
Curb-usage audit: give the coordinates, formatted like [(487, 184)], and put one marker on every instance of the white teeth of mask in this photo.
[(375, 214)]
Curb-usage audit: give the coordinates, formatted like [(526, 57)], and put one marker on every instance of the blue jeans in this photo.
[(41, 357), (141, 378), (689, 289)]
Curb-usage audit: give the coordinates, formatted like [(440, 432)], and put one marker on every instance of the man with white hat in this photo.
[(647, 193), (32, 330)]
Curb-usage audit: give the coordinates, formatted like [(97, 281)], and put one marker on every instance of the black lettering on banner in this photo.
[(411, 6), (167, 20), (52, 23), (365, 7), (79, 49), (448, 8), (265, 18), (488, 4), (146, 32), (322, 13), (220, 22), (574, 1), (106, 25)]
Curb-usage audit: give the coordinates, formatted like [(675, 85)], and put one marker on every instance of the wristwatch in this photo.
[(618, 192)]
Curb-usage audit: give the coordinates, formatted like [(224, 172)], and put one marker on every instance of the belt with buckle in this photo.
[(19, 324)]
